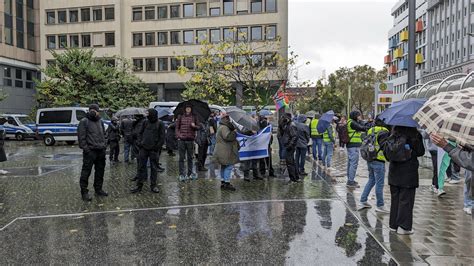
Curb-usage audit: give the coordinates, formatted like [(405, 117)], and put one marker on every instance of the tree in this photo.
[(245, 65), (324, 98), (3, 95), (79, 78)]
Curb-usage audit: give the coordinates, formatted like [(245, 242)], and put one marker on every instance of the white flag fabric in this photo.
[(256, 146)]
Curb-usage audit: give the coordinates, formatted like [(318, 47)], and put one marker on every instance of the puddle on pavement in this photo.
[(63, 156), (33, 171)]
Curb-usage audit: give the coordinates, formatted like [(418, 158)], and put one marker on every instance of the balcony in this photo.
[(387, 59), (403, 65), (398, 53), (419, 26), (392, 43), (392, 70), (419, 58), (404, 36)]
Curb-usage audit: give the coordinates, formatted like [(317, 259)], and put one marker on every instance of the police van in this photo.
[(60, 124), (18, 126)]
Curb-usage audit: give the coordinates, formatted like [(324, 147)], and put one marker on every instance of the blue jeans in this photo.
[(300, 158), (376, 178), (468, 201), (226, 172), (281, 150), (126, 151), (318, 149), (212, 145), (327, 153), (352, 163)]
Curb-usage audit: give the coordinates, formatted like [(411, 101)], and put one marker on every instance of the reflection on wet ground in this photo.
[(301, 232), (33, 171)]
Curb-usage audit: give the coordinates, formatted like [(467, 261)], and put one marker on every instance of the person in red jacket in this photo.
[(186, 127)]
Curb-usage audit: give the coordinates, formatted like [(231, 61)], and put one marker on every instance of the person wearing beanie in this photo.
[(150, 139), (186, 127), (91, 135)]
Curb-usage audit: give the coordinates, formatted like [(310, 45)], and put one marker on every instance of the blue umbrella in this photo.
[(401, 113), (265, 112), (325, 121)]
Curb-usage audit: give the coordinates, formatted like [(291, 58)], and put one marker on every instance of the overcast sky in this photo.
[(337, 33)]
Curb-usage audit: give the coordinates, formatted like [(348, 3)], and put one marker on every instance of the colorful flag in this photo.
[(280, 98), (256, 146)]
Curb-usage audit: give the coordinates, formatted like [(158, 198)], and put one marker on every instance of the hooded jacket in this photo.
[(152, 133), (303, 132), (288, 134), (91, 133), (113, 132), (126, 128), (227, 147)]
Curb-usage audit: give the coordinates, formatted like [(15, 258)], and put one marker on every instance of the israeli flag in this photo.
[(256, 146)]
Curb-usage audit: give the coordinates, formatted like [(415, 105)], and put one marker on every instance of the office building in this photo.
[(396, 59), (19, 56), (153, 33)]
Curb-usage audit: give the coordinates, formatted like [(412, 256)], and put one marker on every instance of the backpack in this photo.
[(344, 134), (396, 149), (368, 149)]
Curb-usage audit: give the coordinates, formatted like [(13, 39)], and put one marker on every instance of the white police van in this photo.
[(17, 126), (60, 124)]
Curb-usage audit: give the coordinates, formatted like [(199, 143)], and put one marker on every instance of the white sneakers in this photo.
[(364, 205), (3, 172), (402, 231), (468, 210), (434, 189), (454, 181), (382, 210), (441, 192)]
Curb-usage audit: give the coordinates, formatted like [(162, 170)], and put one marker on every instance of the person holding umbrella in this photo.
[(186, 127)]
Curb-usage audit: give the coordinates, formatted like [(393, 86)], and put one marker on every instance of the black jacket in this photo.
[(152, 135), (3, 156), (289, 136), (171, 140), (405, 174), (91, 134), (113, 133), (126, 128), (137, 127)]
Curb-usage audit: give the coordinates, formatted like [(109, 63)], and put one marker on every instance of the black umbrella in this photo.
[(200, 109), (242, 118)]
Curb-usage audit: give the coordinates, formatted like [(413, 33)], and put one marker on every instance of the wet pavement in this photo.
[(43, 220)]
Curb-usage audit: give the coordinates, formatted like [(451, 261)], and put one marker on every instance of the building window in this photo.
[(109, 13), (62, 40), (189, 63), (86, 40), (149, 13), (62, 17), (51, 17), (228, 7), (74, 41), (201, 9), (163, 64), (215, 35), (137, 39), (243, 34), (20, 38), (188, 37), (201, 36), (51, 42), (150, 64), (229, 35), (270, 59), (110, 39), (256, 6), (257, 60), (137, 64), (270, 6), (85, 14), (242, 7), (149, 38), (174, 11), (175, 64), (19, 78), (97, 14), (29, 79), (271, 32), (162, 12), (7, 77), (188, 10), (8, 29), (73, 16), (175, 37), (256, 33), (163, 38), (137, 14), (215, 11)]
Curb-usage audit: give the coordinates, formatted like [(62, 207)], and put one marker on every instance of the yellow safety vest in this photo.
[(314, 128), (326, 138), (376, 130), (355, 137)]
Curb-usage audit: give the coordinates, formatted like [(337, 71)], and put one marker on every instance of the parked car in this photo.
[(18, 126), (60, 124)]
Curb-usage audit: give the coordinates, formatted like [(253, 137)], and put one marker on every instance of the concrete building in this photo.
[(397, 57), (449, 41), (19, 56), (153, 33)]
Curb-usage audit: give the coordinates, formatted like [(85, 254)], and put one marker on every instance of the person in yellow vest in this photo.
[(317, 139), (329, 138), (376, 170), (355, 128)]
